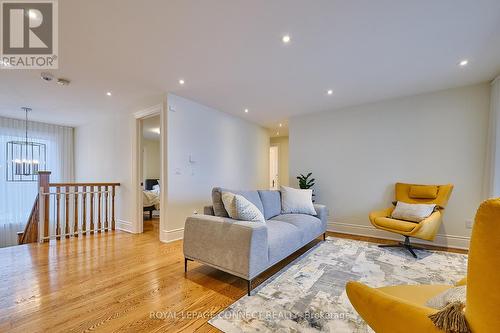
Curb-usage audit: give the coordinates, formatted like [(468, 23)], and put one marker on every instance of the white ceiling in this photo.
[(151, 128), (231, 56)]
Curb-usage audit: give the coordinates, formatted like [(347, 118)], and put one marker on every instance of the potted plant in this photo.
[(306, 183)]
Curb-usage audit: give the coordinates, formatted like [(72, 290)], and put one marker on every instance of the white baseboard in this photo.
[(451, 241), (168, 236), (126, 226)]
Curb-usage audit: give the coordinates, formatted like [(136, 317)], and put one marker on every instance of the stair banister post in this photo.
[(43, 187)]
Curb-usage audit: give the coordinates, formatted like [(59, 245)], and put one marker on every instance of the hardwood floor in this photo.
[(112, 282)]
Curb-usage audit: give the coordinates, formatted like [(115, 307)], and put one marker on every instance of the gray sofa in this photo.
[(246, 249)]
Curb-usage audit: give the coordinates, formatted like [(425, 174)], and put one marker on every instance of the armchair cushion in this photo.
[(423, 191), (412, 212), (393, 224)]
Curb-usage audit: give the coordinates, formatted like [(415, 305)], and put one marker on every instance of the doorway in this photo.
[(273, 167), (278, 159), (150, 170), (151, 173)]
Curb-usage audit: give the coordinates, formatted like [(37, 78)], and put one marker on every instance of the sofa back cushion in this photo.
[(219, 210), (271, 201)]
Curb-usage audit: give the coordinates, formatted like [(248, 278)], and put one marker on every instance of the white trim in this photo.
[(148, 112), (168, 236), (137, 158), (126, 226), (451, 241)]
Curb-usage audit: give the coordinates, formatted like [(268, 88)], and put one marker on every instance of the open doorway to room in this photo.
[(151, 173), (278, 162)]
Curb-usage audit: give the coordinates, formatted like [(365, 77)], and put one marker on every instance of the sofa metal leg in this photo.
[(249, 287), (186, 264)]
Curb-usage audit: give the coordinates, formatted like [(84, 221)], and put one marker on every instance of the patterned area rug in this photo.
[(309, 294)]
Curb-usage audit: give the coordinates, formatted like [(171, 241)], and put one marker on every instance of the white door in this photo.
[(273, 168)]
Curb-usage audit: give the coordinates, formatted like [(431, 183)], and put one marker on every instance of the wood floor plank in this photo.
[(115, 282)]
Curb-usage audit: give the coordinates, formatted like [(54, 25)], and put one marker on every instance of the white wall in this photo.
[(283, 172), (357, 154), (151, 159), (103, 153), (227, 151)]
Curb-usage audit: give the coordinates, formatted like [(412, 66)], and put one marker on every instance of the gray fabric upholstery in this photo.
[(219, 210), (271, 201), (322, 214), (283, 239), (246, 249), (209, 210), (309, 226), (238, 247)]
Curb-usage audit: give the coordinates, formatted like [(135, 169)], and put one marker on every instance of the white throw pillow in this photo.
[(296, 201), (240, 208), (455, 294), (412, 212)]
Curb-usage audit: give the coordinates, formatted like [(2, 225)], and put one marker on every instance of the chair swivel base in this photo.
[(407, 245)]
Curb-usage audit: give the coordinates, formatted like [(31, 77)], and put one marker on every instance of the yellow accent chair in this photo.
[(401, 308), (414, 194)]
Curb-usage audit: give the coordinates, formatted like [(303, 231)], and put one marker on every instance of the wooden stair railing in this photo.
[(30, 233), (63, 210)]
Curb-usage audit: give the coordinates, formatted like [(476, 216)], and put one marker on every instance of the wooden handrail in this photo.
[(82, 184), (30, 233)]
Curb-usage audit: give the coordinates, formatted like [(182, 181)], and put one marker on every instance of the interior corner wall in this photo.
[(208, 148), (357, 154), (283, 172)]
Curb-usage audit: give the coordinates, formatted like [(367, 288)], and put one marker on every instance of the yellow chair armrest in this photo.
[(380, 213), (428, 228), (462, 282), (386, 313)]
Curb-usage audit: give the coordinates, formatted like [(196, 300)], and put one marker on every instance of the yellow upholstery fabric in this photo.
[(400, 308), (416, 294), (443, 195), (423, 192), (392, 224), (426, 229), (483, 272)]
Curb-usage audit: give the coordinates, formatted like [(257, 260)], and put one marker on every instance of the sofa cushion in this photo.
[(240, 208), (219, 210), (309, 226), (296, 201), (282, 238), (271, 201)]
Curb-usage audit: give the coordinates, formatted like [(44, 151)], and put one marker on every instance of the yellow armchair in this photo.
[(402, 308), (426, 229)]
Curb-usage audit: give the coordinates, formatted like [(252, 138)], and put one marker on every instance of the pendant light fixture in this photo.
[(25, 158)]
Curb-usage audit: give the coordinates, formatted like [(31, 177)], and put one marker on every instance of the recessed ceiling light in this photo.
[(281, 124), (286, 39), (108, 93), (246, 110), (181, 82), (329, 92), (464, 62)]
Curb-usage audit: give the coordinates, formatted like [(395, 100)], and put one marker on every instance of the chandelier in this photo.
[(24, 158)]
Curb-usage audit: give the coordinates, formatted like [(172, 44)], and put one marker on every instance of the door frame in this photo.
[(137, 158), (277, 147)]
